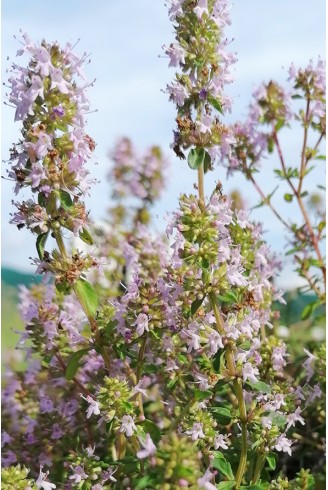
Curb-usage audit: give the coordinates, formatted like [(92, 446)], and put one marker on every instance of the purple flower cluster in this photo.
[(53, 106), (198, 91), (137, 176)]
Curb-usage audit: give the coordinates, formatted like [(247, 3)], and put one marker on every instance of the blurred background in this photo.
[(124, 39)]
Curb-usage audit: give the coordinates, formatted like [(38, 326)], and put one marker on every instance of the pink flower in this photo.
[(250, 372), (201, 8), (57, 81), (141, 323), (42, 484), (196, 432), (215, 342), (79, 474), (205, 124), (128, 426), (93, 407), (292, 418), (137, 389), (176, 54), (204, 481), (149, 448), (308, 364), (220, 441), (43, 61), (283, 444)]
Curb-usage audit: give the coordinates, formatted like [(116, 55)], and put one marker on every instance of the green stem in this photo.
[(238, 388), (183, 412), (141, 357), (201, 191), (60, 243), (258, 467), (139, 373), (220, 326)]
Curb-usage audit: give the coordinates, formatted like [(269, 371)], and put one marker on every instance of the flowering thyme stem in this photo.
[(93, 325), (238, 388)]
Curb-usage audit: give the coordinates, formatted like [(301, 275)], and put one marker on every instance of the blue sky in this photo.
[(124, 39)]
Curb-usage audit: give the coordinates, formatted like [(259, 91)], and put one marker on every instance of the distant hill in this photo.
[(11, 277)]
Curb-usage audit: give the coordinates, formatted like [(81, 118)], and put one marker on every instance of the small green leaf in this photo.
[(258, 486), (229, 297), (279, 124), (307, 311), (271, 461), (40, 244), (63, 287), (196, 158), (278, 419), (225, 485), (86, 237), (221, 415), (196, 304), (218, 361), (261, 387), (221, 464), (87, 296), (172, 383), (288, 197), (216, 104), (321, 225), (207, 162), (74, 363), (42, 199), (204, 264), (270, 145), (128, 406), (257, 443), (279, 172), (144, 482), (152, 429), (65, 199), (202, 395)]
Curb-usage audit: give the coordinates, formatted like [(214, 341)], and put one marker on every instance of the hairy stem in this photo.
[(300, 202)]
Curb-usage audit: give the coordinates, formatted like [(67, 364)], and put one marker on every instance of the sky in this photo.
[(124, 39)]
